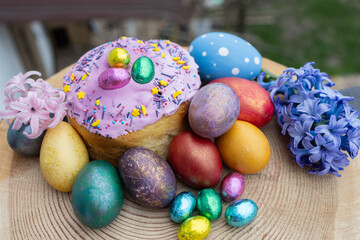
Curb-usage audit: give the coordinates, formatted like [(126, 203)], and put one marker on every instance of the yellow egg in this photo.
[(118, 57), (244, 148), (63, 154), (194, 228)]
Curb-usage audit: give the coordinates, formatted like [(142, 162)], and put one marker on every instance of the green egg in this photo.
[(97, 195), (209, 203), (143, 70)]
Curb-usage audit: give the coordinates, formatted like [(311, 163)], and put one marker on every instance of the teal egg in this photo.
[(241, 212), (182, 207), (97, 195), (143, 70), (209, 204), (21, 144)]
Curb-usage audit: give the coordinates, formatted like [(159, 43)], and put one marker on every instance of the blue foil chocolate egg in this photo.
[(22, 144), (182, 207), (241, 212)]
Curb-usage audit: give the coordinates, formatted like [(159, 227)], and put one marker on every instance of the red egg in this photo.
[(256, 105), (196, 161)]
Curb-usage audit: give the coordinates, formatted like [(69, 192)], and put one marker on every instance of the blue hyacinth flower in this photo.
[(324, 130)]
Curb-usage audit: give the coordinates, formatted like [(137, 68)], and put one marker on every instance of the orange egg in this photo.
[(244, 148)]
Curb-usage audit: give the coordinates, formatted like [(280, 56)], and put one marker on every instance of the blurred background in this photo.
[(48, 35)]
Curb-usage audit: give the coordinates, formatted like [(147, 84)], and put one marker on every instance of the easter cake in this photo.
[(129, 93)]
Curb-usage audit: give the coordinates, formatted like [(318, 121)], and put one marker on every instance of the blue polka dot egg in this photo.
[(225, 55)]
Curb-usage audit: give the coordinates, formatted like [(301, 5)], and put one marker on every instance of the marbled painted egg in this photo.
[(97, 195), (182, 207), (213, 110), (22, 144), (63, 154), (194, 228), (232, 186), (221, 54), (147, 177), (241, 212), (209, 204)]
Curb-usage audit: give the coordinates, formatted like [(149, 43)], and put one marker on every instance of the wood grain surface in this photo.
[(292, 203)]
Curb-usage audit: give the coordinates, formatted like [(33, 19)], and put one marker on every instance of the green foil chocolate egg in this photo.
[(118, 58), (209, 203), (97, 195), (143, 70)]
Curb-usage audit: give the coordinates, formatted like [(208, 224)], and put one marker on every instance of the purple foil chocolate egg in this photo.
[(232, 186), (113, 78), (213, 110)]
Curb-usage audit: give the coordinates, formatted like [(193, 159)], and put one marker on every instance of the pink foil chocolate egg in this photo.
[(113, 78), (232, 186)]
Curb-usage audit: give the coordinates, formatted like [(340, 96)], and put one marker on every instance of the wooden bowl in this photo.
[(292, 203)]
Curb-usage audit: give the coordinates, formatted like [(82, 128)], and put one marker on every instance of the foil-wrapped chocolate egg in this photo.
[(194, 228), (241, 212), (22, 144), (113, 78), (143, 70), (232, 186), (118, 58), (182, 207), (209, 204)]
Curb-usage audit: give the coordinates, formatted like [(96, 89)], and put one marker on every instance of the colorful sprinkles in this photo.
[(175, 76)]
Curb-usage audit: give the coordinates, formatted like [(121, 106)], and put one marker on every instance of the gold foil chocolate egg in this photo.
[(194, 228), (118, 57)]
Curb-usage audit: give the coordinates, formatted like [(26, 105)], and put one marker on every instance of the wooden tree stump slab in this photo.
[(292, 203)]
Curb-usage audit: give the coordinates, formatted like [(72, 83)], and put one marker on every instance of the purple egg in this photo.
[(232, 186), (113, 78), (213, 110), (147, 178)]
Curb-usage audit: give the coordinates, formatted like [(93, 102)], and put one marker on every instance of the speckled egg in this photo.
[(147, 177), (63, 154), (232, 186), (97, 195), (241, 212), (209, 204), (182, 207), (22, 144), (221, 55), (194, 228), (213, 110)]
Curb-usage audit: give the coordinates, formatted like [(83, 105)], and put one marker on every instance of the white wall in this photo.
[(10, 62)]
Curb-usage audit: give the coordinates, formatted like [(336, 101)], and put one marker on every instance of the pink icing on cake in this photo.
[(116, 112)]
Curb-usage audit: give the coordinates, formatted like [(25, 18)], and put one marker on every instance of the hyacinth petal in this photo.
[(323, 108), (19, 106), (33, 102), (265, 85), (8, 114), (34, 124), (17, 124), (319, 120), (31, 73)]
